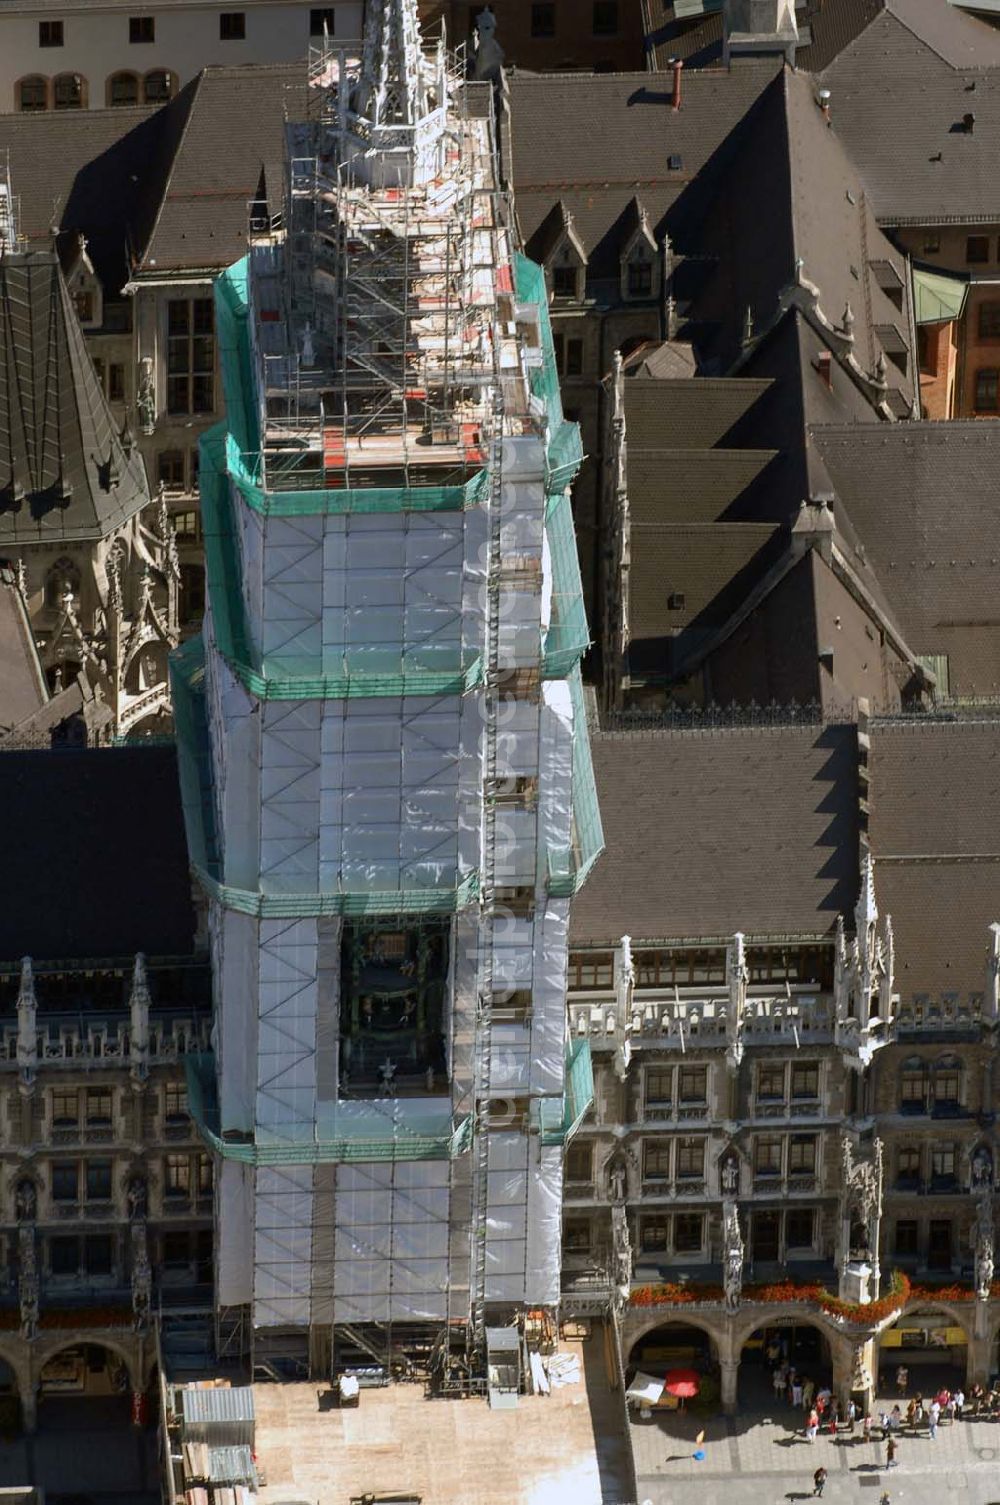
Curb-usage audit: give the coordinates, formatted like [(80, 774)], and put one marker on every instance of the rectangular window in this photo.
[(911, 1090), (98, 1180), (690, 1159), (64, 1256), (653, 1235), (770, 1083), (656, 1160), (65, 1109), (605, 18), (987, 388), (65, 1181), (97, 1252), (232, 26), (186, 526), (909, 1161), (640, 279), (946, 1087), (141, 29), (694, 1084), (175, 1103), (564, 281), (905, 1239), (576, 1235), (943, 1160), (799, 1228), (802, 1155), (594, 969), (190, 356), (688, 1232), (176, 1248), (659, 1086), (116, 382), (989, 321), (322, 20), (99, 1101), (170, 469), (805, 1080), (767, 1157), (543, 19), (50, 33), (977, 249), (177, 1177), (574, 357), (84, 300), (580, 1161)]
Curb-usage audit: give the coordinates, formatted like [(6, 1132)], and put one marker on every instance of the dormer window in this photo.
[(565, 281), (639, 278)]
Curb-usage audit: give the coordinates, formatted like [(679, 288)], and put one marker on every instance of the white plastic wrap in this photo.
[(286, 1031), (544, 1263), (289, 792), (235, 1024), (391, 1242), (234, 1246), (283, 1246), (292, 591), (548, 1014)]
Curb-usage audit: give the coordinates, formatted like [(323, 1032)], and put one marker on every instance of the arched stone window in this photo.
[(32, 93), (159, 85), (123, 89), (69, 91)]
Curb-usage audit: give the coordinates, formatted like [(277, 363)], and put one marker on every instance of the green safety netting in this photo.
[(568, 870), (568, 637), (424, 670), (187, 674), (560, 1119), (243, 449), (565, 452), (398, 1143)]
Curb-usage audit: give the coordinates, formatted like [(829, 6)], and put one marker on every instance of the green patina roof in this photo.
[(937, 297)]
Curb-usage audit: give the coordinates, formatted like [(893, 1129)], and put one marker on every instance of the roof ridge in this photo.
[(195, 87)]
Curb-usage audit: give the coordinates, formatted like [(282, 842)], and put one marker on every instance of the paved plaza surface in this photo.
[(568, 1448), (758, 1456)]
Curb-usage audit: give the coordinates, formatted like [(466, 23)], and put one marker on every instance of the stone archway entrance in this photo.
[(932, 1344), (781, 1346), (84, 1440), (678, 1345)]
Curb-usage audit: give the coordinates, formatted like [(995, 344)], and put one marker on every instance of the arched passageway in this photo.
[(776, 1357), (678, 1345), (932, 1345)]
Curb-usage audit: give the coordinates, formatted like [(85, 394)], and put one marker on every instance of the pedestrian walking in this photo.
[(890, 1453), (808, 1391), (866, 1428), (812, 1425), (896, 1418), (959, 1399), (852, 1416), (796, 1392), (819, 1480), (778, 1381), (902, 1379), (933, 1416)]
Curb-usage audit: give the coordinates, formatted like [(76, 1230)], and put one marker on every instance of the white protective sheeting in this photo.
[(234, 1238), (645, 1389), (250, 533), (391, 1242), (235, 1026), (548, 1014), (286, 1029), (283, 1246), (289, 796), (292, 590), (507, 1217), (544, 1267)]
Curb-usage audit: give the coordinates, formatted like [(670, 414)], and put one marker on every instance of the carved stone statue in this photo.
[(142, 1275), (137, 1198), (489, 55), (27, 1282), (622, 1250), (617, 1181), (26, 1201), (984, 1247), (982, 1167), (146, 397), (732, 1255), (730, 1176)]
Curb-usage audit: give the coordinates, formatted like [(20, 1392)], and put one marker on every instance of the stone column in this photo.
[(729, 1374)]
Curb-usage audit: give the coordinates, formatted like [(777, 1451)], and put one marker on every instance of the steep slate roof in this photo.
[(555, 153), (922, 498), (63, 471), (708, 568), (935, 833), (233, 131), (102, 175), (22, 684), (123, 845), (898, 100), (686, 413), (709, 833)]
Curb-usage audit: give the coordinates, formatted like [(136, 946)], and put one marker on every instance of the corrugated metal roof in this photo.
[(231, 1465), (235, 1404)]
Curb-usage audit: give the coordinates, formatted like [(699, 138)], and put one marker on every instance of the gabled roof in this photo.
[(64, 472), (557, 154), (686, 413), (934, 822), (922, 501), (234, 131), (899, 99), (709, 833), (691, 576)]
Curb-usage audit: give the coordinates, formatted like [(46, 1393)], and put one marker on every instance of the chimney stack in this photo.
[(677, 64)]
